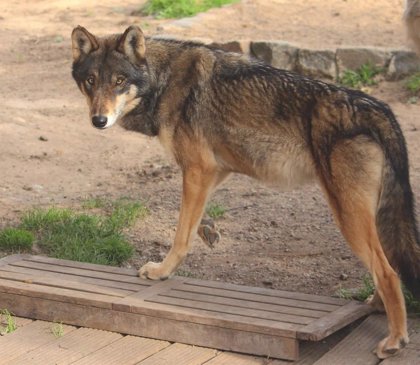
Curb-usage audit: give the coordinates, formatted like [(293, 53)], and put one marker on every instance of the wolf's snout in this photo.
[(99, 121)]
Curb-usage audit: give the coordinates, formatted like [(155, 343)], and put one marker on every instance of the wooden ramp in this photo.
[(223, 316)]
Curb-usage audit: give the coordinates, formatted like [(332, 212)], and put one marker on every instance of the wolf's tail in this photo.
[(395, 218)]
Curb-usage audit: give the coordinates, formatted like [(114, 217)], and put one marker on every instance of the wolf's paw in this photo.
[(375, 302), (153, 271), (208, 233), (390, 346)]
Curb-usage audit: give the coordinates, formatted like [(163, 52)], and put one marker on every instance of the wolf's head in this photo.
[(111, 72)]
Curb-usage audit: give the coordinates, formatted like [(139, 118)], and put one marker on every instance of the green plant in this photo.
[(7, 320), (57, 329), (368, 288), (98, 239), (180, 8), (215, 210), (361, 293), (413, 83), (14, 239), (363, 76)]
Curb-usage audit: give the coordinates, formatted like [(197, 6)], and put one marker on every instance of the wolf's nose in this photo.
[(99, 121)]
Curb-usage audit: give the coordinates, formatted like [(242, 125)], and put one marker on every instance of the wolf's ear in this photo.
[(132, 44), (83, 42)]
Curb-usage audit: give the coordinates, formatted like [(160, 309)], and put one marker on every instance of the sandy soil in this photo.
[(281, 240)]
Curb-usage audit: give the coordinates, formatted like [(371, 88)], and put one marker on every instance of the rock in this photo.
[(234, 46), (43, 139), (354, 58), (267, 282), (344, 277), (278, 54), (402, 63), (317, 63)]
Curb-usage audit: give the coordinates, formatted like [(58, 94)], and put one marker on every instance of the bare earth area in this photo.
[(269, 238)]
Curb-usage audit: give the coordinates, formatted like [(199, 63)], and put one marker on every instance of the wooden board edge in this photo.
[(13, 258), (332, 322), (57, 295), (197, 334)]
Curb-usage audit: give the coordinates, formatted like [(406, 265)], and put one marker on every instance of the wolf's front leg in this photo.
[(198, 182)]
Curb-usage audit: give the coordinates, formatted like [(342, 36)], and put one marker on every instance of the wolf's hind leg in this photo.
[(353, 187)]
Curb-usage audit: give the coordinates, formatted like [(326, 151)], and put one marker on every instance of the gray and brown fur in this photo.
[(219, 113)]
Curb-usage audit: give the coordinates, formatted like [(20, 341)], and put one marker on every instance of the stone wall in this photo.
[(327, 63)]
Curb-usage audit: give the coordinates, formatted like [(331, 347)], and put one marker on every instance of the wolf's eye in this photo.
[(90, 80), (120, 80)]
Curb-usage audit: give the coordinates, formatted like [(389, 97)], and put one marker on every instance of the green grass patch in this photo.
[(94, 238), (181, 8), (361, 293), (7, 322), (215, 210), (57, 329), (413, 83), (15, 239), (363, 76), (368, 288)]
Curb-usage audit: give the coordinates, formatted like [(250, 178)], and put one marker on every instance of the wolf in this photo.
[(219, 113)]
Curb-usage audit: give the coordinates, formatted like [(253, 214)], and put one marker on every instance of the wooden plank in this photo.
[(67, 349), (357, 348), (231, 321), (81, 272), (128, 350), (333, 321), (83, 265), (155, 327), (12, 258), (157, 287), (56, 294), (267, 292), (26, 339), (80, 279), (227, 309), (177, 354), (409, 356), (230, 358), (55, 282), (244, 303), (259, 297)]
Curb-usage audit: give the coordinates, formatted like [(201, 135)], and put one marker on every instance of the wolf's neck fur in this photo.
[(174, 68)]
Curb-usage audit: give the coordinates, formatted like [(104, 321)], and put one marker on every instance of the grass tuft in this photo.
[(180, 8), (7, 322), (368, 288), (413, 83), (14, 239), (362, 77), (361, 293), (215, 210), (97, 239), (57, 329)]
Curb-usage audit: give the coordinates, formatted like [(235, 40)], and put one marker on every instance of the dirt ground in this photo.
[(50, 154)]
